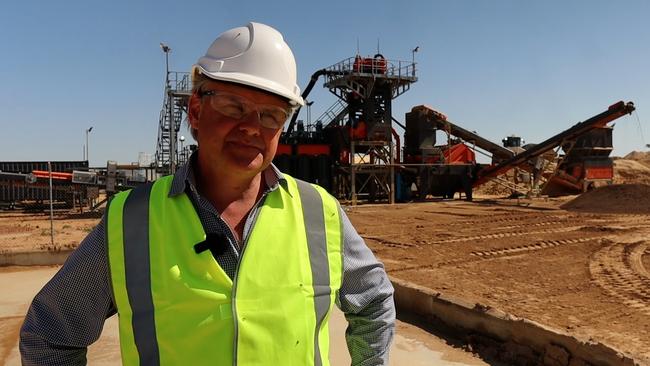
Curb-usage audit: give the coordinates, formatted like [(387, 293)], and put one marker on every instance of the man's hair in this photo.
[(198, 80)]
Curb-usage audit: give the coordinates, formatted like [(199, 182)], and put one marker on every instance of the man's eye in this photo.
[(278, 116), (231, 109), (269, 121)]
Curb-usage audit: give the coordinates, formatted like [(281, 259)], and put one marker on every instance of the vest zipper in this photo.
[(234, 280)]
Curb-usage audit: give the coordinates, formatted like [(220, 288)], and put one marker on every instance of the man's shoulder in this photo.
[(141, 191)]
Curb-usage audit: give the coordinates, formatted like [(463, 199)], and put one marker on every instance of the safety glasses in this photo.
[(238, 107)]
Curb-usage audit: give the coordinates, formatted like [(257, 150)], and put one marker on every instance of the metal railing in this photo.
[(333, 112), (375, 66), (180, 81), (177, 92)]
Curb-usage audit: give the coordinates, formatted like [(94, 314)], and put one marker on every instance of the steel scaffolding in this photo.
[(178, 89), (365, 88)]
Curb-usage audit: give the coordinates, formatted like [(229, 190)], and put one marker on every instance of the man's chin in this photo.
[(247, 163)]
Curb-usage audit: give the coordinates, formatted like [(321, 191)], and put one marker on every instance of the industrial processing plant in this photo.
[(509, 252)]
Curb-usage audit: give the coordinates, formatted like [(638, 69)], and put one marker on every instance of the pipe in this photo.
[(398, 123), (29, 178), (54, 175), (305, 93)]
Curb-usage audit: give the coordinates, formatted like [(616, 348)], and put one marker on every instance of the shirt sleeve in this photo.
[(68, 314), (366, 299)]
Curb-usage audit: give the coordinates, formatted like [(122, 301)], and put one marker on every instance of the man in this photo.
[(228, 261)]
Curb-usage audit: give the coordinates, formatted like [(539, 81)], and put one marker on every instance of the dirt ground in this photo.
[(585, 273), (23, 232), (580, 264)]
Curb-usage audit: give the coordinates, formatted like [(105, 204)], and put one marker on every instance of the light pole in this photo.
[(87, 149), (172, 128), (309, 104), (166, 49), (182, 154), (413, 51)]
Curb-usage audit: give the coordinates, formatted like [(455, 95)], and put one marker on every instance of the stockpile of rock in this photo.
[(617, 198), (492, 188), (632, 168)]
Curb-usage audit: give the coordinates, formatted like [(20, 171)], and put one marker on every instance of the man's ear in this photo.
[(194, 110)]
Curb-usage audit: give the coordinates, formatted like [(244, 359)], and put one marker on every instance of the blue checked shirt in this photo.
[(68, 314)]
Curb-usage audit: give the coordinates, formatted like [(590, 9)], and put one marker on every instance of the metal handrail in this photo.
[(379, 66), (180, 81), (332, 112)]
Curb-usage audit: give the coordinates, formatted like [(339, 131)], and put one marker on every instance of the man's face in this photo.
[(240, 143)]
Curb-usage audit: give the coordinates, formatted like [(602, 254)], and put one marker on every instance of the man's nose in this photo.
[(250, 124)]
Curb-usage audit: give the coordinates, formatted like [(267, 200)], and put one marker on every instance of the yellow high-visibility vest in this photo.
[(177, 306)]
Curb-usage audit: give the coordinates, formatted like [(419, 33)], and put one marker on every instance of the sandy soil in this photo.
[(618, 198), (631, 171), (583, 272), (21, 232)]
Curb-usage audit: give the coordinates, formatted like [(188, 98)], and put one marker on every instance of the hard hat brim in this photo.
[(256, 82)]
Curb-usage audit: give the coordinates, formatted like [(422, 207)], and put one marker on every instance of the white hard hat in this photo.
[(255, 55)]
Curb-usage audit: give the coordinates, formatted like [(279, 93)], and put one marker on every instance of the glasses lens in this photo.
[(273, 117), (229, 106), (236, 107)]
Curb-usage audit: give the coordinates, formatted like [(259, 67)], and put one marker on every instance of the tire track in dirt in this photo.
[(400, 244), (487, 228), (477, 256), (522, 224), (481, 255), (614, 216), (491, 220), (389, 243), (506, 235), (637, 252), (534, 224), (618, 269), (544, 244)]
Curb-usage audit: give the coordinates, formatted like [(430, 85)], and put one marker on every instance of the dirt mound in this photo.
[(638, 155), (619, 198), (629, 171), (642, 157), (492, 188)]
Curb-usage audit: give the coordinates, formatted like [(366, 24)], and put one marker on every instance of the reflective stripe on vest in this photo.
[(175, 305), (315, 225)]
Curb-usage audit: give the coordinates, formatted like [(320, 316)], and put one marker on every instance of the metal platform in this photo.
[(351, 76)]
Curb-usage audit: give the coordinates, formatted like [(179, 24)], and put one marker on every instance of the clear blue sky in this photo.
[(497, 67)]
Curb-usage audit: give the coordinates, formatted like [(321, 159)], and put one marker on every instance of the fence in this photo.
[(47, 205)]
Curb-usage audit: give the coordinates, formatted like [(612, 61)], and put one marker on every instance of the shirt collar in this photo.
[(184, 178)]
